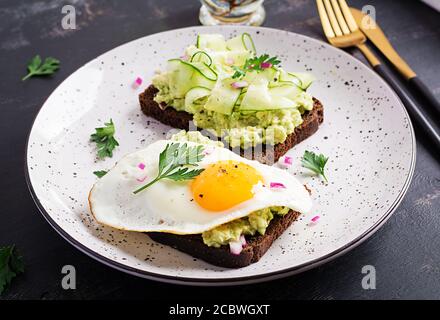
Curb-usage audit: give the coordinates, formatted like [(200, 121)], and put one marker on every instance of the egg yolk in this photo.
[(224, 184)]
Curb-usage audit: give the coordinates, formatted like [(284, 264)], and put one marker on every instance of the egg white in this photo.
[(166, 206)]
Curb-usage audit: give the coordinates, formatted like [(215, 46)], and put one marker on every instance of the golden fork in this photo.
[(341, 31)]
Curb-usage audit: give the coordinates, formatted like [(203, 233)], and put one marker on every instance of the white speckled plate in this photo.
[(366, 133)]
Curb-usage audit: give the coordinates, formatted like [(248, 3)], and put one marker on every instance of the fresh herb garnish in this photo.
[(314, 162), (173, 161), (100, 173), (255, 64), (11, 264), (105, 140), (239, 72), (36, 67)]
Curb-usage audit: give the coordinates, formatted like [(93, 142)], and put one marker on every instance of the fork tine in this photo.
[(332, 18), (324, 20), (340, 17), (348, 16)]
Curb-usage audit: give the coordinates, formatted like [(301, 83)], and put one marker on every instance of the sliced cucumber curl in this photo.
[(205, 70), (201, 56), (246, 36)]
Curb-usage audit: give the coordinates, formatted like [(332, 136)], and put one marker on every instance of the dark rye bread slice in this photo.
[(181, 119), (256, 245)]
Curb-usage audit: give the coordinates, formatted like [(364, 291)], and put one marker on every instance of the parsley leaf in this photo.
[(255, 64), (100, 173), (184, 174), (35, 67), (11, 264), (105, 141), (314, 162), (239, 72), (174, 161)]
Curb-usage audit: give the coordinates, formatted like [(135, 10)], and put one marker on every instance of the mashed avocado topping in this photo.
[(195, 136), (233, 93), (257, 221)]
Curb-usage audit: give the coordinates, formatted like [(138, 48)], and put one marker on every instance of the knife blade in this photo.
[(375, 34)]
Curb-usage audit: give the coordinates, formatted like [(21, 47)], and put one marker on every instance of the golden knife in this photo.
[(374, 33)]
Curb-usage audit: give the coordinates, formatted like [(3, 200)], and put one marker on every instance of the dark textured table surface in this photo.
[(405, 251)]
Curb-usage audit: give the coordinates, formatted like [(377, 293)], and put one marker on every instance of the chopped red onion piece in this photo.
[(235, 247), (277, 185), (137, 82), (315, 219), (243, 241), (141, 166), (266, 65), (288, 160), (141, 179), (229, 61)]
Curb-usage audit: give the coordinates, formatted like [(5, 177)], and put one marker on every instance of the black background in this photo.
[(405, 251)]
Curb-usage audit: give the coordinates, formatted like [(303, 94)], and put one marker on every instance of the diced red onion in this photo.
[(239, 84), (207, 151), (141, 166), (277, 185), (243, 241), (141, 179), (235, 247), (266, 65), (315, 219), (288, 160), (138, 81), (229, 61)]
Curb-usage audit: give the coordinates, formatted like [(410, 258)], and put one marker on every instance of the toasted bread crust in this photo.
[(256, 245), (181, 119)]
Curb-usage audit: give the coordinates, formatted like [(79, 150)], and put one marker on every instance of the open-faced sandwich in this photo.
[(200, 198), (244, 99)]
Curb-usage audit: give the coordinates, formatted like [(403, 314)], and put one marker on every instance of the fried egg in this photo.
[(229, 187)]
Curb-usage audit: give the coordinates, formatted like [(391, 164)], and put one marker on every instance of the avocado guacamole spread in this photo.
[(195, 136), (260, 104), (257, 221)]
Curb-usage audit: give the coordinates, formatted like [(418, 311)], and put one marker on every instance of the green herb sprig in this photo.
[(315, 163), (36, 67), (255, 64), (11, 264), (100, 173), (105, 140), (174, 161)]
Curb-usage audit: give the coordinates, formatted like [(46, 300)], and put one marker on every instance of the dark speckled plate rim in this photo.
[(234, 280)]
